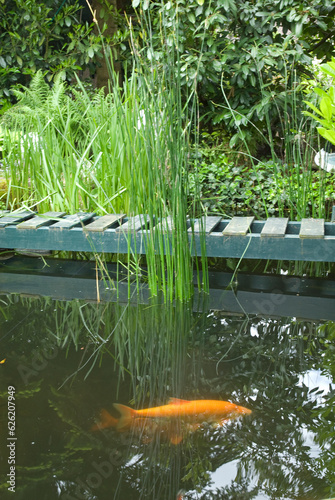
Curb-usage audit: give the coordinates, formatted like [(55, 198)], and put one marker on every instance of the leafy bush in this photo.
[(325, 114), (237, 48), (33, 37), (266, 189)]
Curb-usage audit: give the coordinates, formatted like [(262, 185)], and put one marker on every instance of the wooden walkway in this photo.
[(275, 238)]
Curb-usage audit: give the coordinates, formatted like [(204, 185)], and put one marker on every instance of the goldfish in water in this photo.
[(178, 416)]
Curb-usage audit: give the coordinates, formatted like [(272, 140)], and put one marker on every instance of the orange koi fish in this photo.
[(198, 411), (191, 414)]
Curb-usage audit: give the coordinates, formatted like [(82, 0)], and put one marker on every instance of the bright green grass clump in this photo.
[(124, 152)]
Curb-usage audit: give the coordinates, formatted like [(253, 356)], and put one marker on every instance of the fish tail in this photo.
[(126, 416), (106, 420)]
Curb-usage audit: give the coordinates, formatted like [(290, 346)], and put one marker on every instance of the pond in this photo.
[(64, 364)]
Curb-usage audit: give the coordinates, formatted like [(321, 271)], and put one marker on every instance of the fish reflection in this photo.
[(173, 420)]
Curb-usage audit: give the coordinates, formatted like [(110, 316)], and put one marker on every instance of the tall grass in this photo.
[(126, 152)]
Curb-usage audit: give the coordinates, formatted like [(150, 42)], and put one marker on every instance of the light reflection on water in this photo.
[(67, 360)]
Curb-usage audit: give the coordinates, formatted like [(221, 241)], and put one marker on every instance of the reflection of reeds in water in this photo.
[(146, 342), (166, 351), (148, 346)]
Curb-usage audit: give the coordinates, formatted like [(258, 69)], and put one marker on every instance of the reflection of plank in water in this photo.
[(255, 294), (275, 238)]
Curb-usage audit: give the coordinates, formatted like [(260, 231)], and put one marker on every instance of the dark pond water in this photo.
[(64, 361)]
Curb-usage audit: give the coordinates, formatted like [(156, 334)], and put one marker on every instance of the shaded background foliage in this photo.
[(249, 64), (227, 47), (237, 47), (51, 36)]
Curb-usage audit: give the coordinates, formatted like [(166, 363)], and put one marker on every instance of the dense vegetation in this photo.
[(212, 115)]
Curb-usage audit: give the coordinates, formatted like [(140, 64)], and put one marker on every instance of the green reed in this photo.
[(159, 126), (124, 152)]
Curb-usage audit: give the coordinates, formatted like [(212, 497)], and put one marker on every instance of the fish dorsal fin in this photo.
[(176, 401)]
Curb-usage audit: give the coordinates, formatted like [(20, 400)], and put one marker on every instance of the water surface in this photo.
[(66, 360)]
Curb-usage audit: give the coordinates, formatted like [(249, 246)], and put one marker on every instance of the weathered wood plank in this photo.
[(41, 220), (165, 224), (207, 224), (306, 246), (71, 221), (103, 222), (312, 228), (134, 224), (238, 226), (275, 227), (15, 218)]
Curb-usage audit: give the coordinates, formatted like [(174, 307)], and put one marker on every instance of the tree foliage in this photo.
[(42, 36), (239, 54)]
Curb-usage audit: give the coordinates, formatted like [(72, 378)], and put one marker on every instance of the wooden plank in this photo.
[(206, 224), (71, 221), (133, 224), (238, 226), (165, 224), (312, 228), (275, 227), (15, 218), (103, 222), (41, 220), (33, 253)]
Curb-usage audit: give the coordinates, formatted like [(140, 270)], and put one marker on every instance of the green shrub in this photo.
[(325, 114), (36, 36), (230, 187)]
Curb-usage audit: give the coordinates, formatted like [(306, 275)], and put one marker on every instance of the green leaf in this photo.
[(191, 17), (217, 65), (320, 92), (68, 21), (326, 108), (200, 2), (327, 134), (2, 62), (314, 108), (329, 69), (90, 52)]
